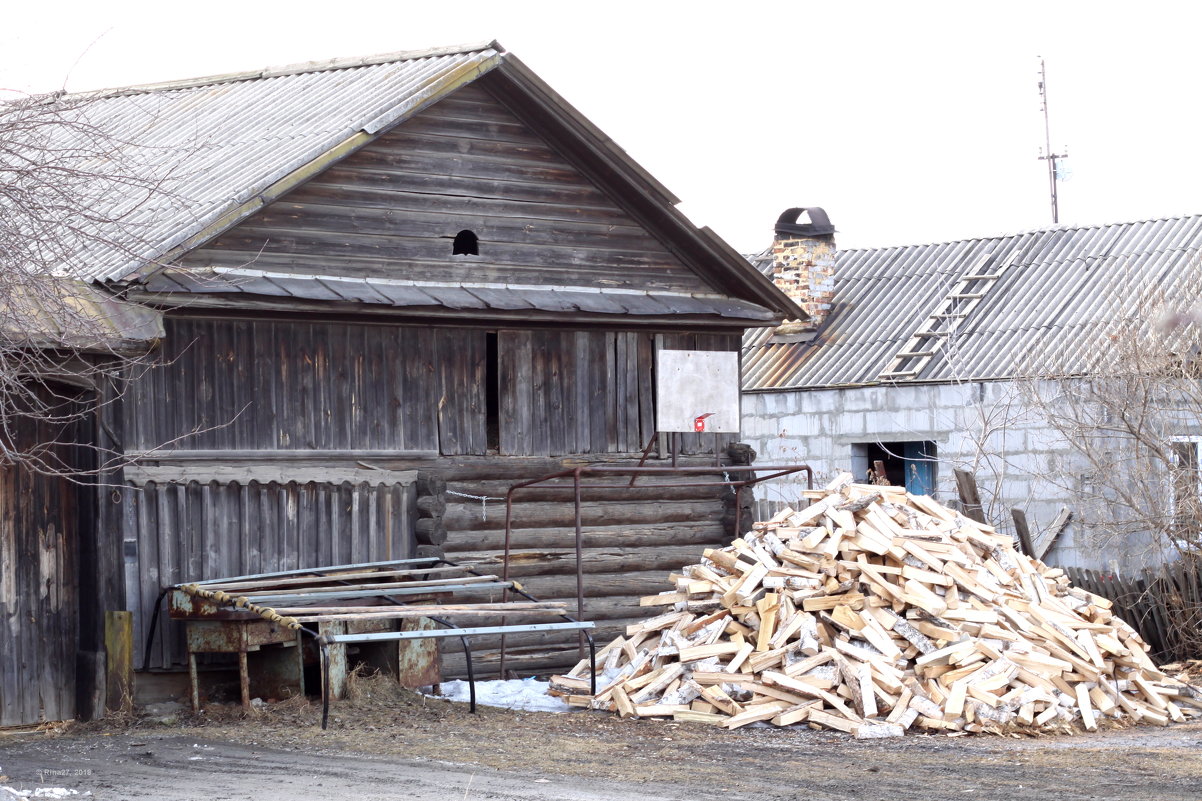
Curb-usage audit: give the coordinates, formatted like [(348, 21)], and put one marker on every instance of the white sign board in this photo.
[(693, 384)]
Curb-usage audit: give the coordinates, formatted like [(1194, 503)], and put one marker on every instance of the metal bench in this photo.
[(377, 591)]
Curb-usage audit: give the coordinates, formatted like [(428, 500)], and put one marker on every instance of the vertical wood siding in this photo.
[(575, 392), (286, 386), (39, 601), (197, 531), (270, 385), (282, 387)]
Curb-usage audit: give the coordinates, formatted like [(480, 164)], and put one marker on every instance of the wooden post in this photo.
[(91, 695), (119, 647), (1058, 525), (1024, 533), (966, 486)]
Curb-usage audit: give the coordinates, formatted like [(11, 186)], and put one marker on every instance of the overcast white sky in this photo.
[(909, 122)]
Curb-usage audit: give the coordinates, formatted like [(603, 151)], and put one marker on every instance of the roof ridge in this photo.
[(1024, 232), (298, 68)]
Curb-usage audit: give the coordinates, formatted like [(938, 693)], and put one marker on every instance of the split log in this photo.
[(872, 612)]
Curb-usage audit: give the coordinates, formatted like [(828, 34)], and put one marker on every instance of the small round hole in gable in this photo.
[(466, 244)]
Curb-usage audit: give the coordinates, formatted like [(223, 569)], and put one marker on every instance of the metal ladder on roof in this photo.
[(951, 312)]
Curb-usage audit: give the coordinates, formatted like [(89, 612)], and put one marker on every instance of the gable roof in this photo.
[(221, 148), (1056, 294)]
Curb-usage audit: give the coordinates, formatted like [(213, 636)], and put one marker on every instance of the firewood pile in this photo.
[(873, 611)]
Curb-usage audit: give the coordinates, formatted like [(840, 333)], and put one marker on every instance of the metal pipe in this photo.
[(324, 647), (592, 646), (423, 634), (154, 624), (646, 452), (739, 510), (348, 593), (313, 570), (467, 658), (579, 558), (592, 662), (505, 569)]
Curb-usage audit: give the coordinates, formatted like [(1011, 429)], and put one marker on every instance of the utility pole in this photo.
[(1046, 154)]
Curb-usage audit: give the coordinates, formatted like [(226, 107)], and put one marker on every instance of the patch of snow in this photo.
[(526, 694)]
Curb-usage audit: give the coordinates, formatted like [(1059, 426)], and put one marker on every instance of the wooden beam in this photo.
[(1024, 533), (970, 498), (119, 647), (1058, 525)]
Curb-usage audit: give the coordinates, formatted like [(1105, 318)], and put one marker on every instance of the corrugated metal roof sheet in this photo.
[(209, 146), (76, 315), (1063, 288), (403, 293)]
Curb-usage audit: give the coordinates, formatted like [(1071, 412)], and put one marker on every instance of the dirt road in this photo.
[(383, 745)]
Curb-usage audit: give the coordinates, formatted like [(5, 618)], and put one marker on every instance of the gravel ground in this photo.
[(387, 743)]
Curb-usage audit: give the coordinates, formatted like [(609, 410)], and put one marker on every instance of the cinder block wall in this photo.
[(982, 426)]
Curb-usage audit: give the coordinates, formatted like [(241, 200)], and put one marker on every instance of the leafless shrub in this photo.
[(70, 192), (1128, 406)]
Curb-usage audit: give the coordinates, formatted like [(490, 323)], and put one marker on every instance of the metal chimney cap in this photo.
[(819, 224)]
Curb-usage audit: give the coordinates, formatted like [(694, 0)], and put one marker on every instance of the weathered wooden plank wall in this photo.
[(575, 392), (286, 386), (197, 531), (39, 599), (292, 393), (275, 385), (467, 163)]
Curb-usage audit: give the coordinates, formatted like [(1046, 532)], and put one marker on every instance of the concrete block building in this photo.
[(964, 354)]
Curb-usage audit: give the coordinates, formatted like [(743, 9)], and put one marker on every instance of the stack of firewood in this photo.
[(873, 611)]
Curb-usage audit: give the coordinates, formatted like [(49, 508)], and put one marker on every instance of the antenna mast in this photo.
[(1046, 154)]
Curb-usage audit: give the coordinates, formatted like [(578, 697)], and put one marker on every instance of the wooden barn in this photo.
[(51, 632), (391, 288)]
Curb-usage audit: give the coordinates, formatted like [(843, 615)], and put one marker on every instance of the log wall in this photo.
[(245, 405), (632, 539)]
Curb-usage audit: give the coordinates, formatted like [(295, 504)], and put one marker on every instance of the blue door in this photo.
[(920, 467)]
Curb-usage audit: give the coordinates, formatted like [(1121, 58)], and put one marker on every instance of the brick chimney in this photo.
[(803, 262)]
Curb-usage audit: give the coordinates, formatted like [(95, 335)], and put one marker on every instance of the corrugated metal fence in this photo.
[(195, 531)]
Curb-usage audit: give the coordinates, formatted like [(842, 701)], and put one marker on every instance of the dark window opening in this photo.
[(466, 244), (900, 464), (492, 392), (1187, 489)]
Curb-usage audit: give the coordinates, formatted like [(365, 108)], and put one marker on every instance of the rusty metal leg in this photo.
[(471, 675), (579, 560), (739, 511), (325, 682), (592, 661), (244, 680), (195, 681), (154, 624), (467, 655), (336, 661)]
